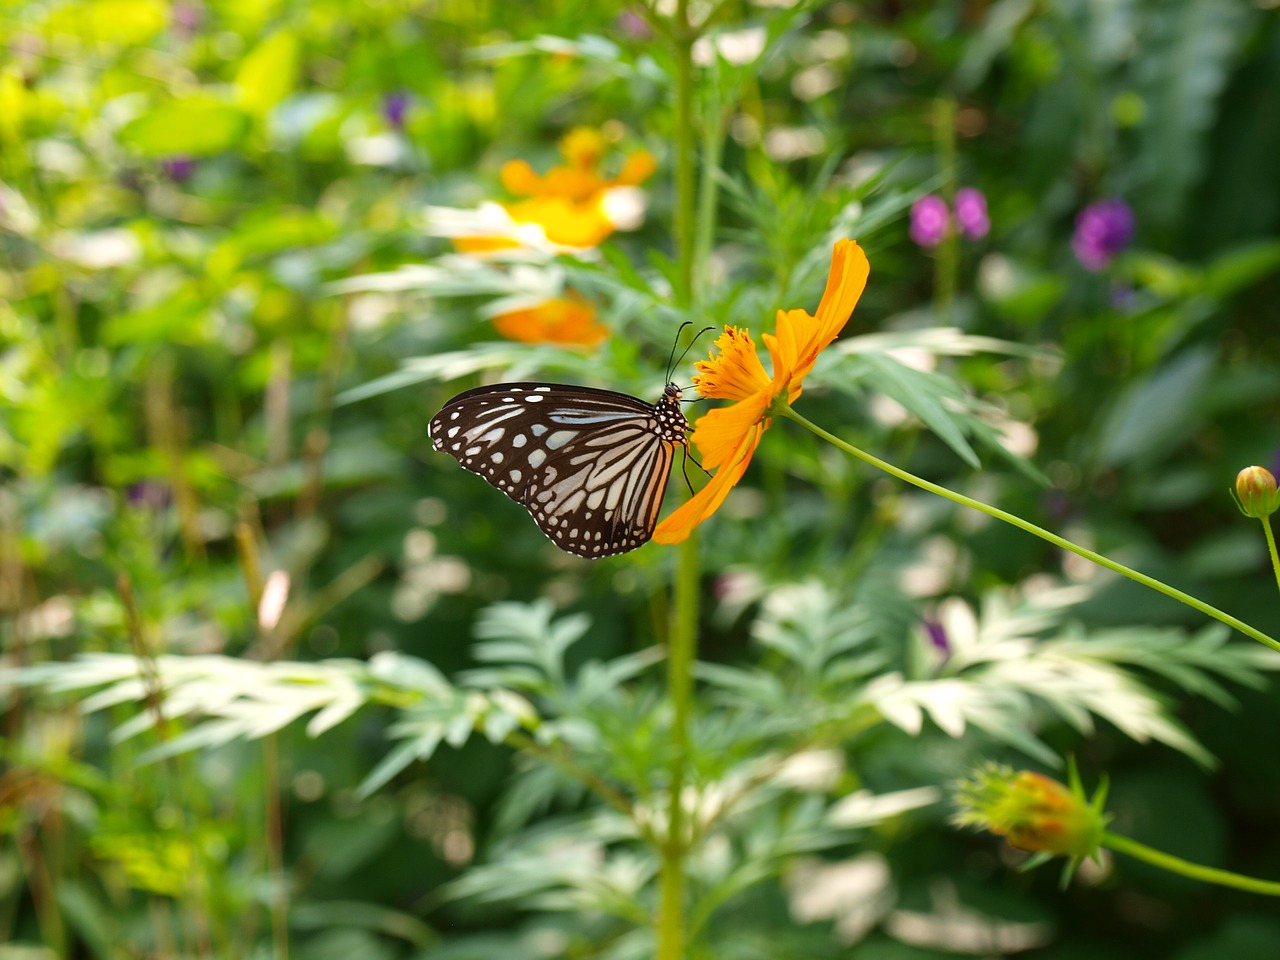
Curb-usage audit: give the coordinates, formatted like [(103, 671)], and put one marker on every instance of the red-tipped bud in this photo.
[(1032, 811), (1256, 492)]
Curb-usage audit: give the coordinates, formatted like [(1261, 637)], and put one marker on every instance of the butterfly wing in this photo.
[(600, 494), (590, 466)]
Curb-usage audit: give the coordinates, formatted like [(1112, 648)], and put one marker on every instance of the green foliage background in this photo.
[(186, 405)]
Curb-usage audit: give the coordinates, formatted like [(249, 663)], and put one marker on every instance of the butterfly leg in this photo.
[(684, 466)]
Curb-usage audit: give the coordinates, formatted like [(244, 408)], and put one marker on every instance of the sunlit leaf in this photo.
[(196, 126), (268, 73)]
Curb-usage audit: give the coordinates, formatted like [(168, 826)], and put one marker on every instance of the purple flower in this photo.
[(929, 218), (1103, 229), (149, 494), (394, 107), (179, 167), (971, 213), (187, 18), (937, 636), (1124, 298), (632, 25)]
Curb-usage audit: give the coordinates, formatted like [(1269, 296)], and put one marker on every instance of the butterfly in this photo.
[(589, 465)]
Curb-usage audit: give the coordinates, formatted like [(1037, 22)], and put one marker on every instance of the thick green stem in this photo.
[(680, 658), (1271, 546), (1173, 864), (1040, 532), (682, 641)]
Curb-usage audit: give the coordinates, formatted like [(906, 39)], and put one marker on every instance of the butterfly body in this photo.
[(589, 465)]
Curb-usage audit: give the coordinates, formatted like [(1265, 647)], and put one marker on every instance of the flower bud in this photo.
[(1033, 812), (1256, 492)]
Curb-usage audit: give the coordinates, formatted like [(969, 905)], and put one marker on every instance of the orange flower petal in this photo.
[(564, 222), (566, 320), (582, 147), (636, 169), (784, 347), (476, 245), (571, 182), (677, 527), (845, 283), (717, 431), (736, 372), (519, 178)]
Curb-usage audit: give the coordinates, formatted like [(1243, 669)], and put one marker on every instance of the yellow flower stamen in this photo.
[(736, 373)]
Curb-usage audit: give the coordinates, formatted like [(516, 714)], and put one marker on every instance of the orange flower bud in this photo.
[(1033, 812), (1256, 492)]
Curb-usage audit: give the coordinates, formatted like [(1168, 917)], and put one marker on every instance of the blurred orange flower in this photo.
[(575, 205), (567, 320), (728, 437)]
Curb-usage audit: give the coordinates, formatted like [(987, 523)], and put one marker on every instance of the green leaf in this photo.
[(997, 32), (91, 919), (108, 23), (268, 73), (321, 915), (177, 319), (1241, 267), (921, 394), (198, 126), (395, 761), (1188, 49), (1157, 410)]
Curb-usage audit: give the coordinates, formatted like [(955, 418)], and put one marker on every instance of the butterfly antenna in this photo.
[(672, 362), (675, 343)]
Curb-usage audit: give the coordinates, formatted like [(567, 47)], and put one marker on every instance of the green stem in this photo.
[(946, 264), (1040, 532), (682, 643), (685, 219), (1194, 870), (1271, 546), (713, 132), (680, 658)]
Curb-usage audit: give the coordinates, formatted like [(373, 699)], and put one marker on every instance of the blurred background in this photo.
[(243, 260)]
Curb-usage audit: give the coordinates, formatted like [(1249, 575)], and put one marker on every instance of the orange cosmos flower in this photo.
[(574, 204), (579, 178), (727, 437), (566, 320)]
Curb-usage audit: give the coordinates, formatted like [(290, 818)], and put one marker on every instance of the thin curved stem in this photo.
[(1040, 532), (1174, 864)]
